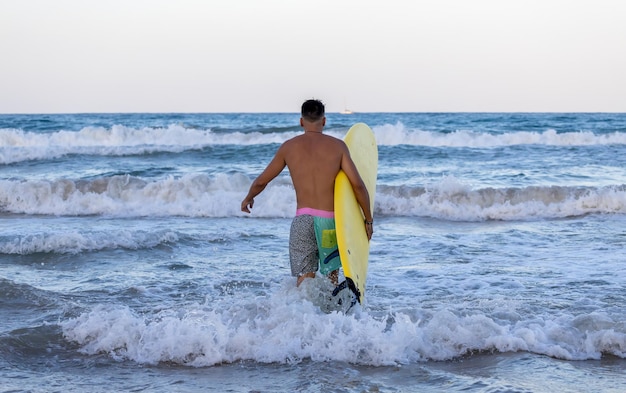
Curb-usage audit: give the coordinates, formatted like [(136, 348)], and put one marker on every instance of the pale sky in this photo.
[(73, 56)]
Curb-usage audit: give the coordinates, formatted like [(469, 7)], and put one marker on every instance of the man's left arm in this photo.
[(360, 191)]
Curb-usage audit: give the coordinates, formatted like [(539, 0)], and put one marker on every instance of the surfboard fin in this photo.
[(354, 289), (343, 285), (348, 283)]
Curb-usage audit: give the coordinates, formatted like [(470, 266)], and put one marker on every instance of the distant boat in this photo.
[(346, 111)]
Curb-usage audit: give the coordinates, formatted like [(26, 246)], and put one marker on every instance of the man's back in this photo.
[(314, 160)]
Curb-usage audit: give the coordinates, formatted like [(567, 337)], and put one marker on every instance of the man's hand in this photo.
[(369, 229), (247, 204)]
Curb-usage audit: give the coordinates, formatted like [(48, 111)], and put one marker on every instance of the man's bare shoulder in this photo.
[(335, 141), (291, 143), (313, 145)]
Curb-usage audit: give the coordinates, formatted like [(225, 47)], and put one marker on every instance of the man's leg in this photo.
[(303, 254), (334, 277), (303, 276)]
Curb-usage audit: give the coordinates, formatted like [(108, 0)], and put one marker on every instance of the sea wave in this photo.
[(17, 145), (71, 242), (201, 195), (287, 327), (22, 296), (399, 134), (450, 199)]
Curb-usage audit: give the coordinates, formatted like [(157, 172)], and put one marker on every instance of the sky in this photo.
[(74, 56)]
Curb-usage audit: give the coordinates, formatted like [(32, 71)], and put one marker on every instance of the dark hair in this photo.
[(313, 110)]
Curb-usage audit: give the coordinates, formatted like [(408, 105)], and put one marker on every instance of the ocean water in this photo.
[(498, 262)]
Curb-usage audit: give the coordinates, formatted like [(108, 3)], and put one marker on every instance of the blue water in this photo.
[(498, 261)]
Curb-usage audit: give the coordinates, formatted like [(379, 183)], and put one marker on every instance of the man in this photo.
[(314, 160)]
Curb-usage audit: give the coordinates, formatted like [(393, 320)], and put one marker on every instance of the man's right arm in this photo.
[(272, 170)]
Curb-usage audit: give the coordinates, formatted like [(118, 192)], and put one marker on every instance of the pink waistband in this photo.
[(315, 212)]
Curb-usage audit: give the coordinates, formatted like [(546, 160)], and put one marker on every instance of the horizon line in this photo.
[(290, 112)]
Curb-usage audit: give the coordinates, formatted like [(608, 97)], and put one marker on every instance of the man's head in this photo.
[(313, 110)]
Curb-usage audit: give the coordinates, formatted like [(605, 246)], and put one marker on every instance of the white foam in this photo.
[(285, 327), (200, 195), (17, 145), (399, 134), (73, 242), (451, 199), (127, 196)]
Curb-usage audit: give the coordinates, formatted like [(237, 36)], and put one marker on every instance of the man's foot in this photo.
[(303, 276)]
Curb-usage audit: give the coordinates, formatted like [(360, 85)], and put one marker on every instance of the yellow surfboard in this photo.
[(352, 240)]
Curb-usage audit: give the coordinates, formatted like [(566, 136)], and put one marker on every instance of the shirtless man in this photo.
[(314, 160)]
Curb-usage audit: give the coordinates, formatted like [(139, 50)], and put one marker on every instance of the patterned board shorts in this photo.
[(313, 245)]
